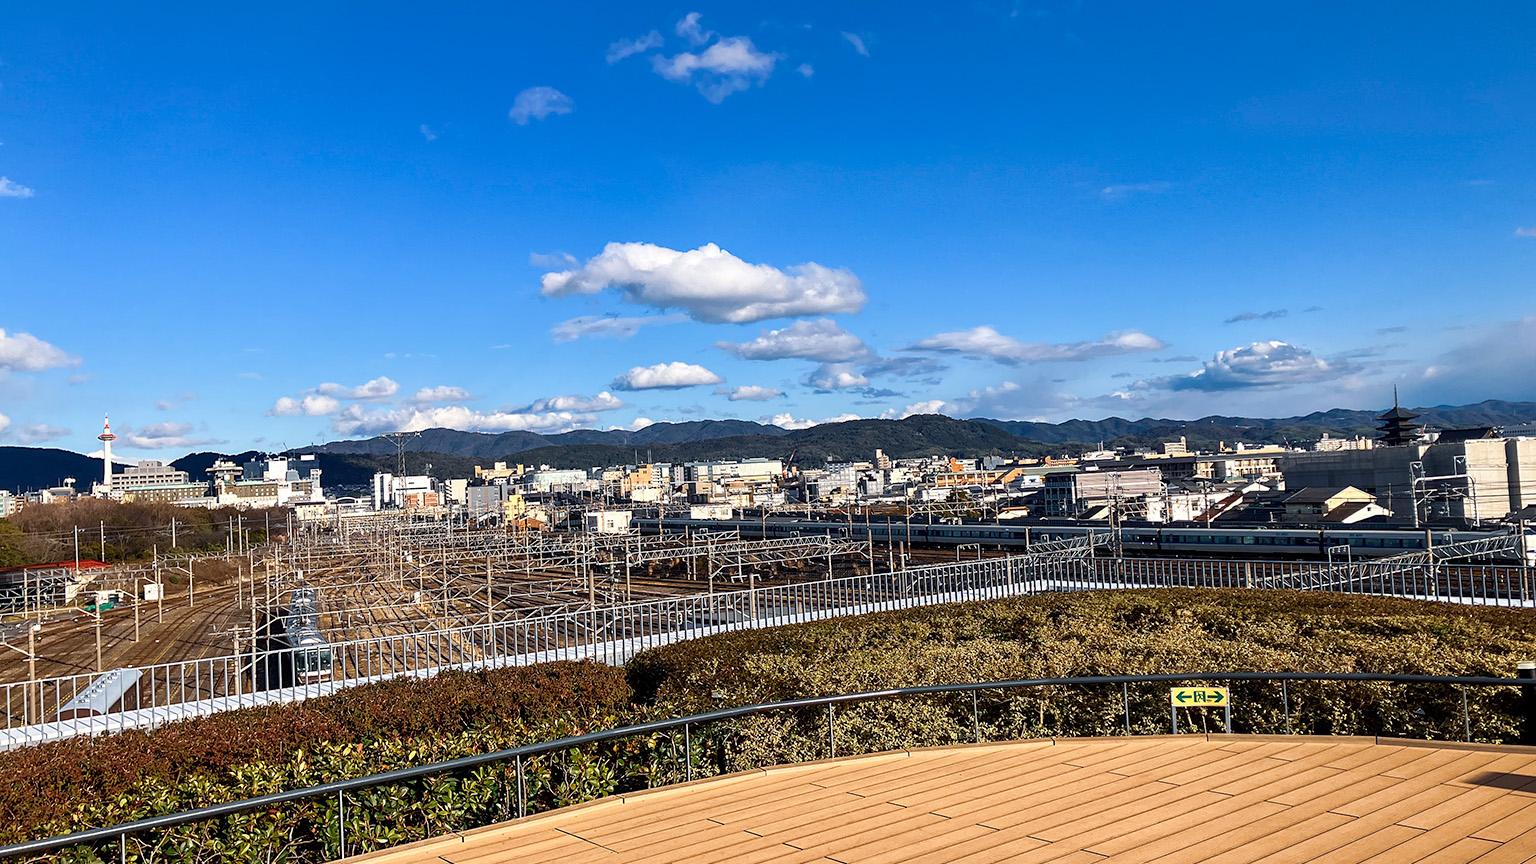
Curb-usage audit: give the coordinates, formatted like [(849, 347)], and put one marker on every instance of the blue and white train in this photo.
[(1147, 539), (292, 650)]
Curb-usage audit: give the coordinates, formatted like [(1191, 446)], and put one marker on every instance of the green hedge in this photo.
[(83, 782), (373, 728), (1091, 634)]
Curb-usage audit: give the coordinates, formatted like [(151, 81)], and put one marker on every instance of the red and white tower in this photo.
[(106, 438)]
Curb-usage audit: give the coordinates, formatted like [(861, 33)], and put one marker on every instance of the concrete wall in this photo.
[(1520, 454), (1502, 472)]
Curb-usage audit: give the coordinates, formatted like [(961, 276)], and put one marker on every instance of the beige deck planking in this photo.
[(1193, 798)]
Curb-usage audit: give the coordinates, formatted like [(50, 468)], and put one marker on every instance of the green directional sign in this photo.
[(1200, 697)]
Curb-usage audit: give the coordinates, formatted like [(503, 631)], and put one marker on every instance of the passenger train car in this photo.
[(1146, 539), (292, 650)]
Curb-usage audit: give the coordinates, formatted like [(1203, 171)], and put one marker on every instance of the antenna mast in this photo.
[(399, 439)]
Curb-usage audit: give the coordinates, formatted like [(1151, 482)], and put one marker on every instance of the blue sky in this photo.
[(265, 227)]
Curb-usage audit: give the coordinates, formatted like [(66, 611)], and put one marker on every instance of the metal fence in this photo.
[(103, 837), (612, 634)]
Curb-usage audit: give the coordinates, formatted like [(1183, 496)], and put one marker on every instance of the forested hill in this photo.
[(23, 469), (1276, 430), (923, 435), (484, 444), (1300, 428), (452, 453)]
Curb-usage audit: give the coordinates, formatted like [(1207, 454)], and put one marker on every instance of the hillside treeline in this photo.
[(132, 531)]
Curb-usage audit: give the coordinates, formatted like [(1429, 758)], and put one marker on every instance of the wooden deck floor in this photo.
[(1223, 800)]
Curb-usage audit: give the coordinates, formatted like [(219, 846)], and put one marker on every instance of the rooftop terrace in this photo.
[(1190, 798)]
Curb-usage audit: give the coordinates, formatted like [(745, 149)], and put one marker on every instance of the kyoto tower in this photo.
[(106, 438)]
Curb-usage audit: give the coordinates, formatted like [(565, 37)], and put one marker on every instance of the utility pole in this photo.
[(32, 632), (98, 637)]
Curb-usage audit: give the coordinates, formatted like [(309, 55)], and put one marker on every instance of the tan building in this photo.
[(1331, 504), (1477, 478)]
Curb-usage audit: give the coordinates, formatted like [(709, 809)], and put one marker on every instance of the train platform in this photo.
[(1224, 799)]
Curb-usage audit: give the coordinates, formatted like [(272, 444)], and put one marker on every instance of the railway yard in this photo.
[(393, 596), (401, 581)]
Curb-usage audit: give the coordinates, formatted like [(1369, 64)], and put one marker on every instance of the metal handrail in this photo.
[(338, 787)]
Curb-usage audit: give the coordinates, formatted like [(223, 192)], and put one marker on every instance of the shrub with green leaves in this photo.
[(80, 783)]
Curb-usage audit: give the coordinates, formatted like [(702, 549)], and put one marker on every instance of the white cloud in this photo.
[(690, 29), (378, 389), (1493, 361), (1271, 315), (1007, 401), (1519, 232), (836, 376), (177, 402), (536, 103), (357, 420), (710, 284), (805, 70), (160, 436), (857, 43), (4, 422), (551, 259), (750, 393), (820, 340), (607, 326), (427, 133), (23, 352), (665, 376), (985, 342), (37, 433), (1126, 190), (634, 425), (628, 47), (431, 395), (11, 189), (312, 405), (728, 66), (1269, 364), (603, 401), (931, 406), (788, 421)]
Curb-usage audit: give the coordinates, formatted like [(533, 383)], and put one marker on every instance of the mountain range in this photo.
[(452, 453)]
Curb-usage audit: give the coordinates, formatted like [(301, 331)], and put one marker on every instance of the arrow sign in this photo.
[(1200, 697)]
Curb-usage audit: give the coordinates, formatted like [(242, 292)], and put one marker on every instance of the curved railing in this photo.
[(686, 724)]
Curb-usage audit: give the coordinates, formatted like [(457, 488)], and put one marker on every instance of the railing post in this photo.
[(688, 752), (1125, 694), (975, 717), (1526, 670), (831, 741), (341, 825), (1466, 718), (1285, 697), (520, 798)]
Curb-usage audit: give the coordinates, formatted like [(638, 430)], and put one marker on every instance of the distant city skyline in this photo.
[(236, 231)]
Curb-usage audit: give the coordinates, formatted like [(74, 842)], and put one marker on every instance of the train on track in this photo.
[(292, 651), (1145, 539)]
